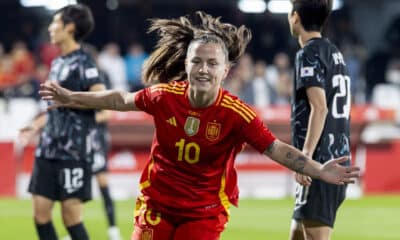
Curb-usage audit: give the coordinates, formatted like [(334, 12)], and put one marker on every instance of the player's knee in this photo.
[(297, 234), (296, 225), (42, 208), (297, 231), (71, 214), (71, 218), (42, 217)]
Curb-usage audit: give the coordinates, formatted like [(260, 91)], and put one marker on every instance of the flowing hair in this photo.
[(167, 61)]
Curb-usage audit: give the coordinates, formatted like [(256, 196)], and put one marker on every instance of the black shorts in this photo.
[(99, 162), (61, 180), (318, 202)]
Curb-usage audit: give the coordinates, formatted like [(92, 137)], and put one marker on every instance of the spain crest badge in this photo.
[(213, 130)]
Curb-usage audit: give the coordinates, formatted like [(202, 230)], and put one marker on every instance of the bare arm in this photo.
[(331, 171), (316, 121), (40, 121), (27, 133), (109, 99), (103, 115), (293, 159)]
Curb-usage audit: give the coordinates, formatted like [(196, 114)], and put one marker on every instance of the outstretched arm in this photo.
[(110, 99), (330, 172)]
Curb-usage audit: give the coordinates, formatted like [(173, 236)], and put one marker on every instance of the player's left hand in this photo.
[(333, 172), (302, 179)]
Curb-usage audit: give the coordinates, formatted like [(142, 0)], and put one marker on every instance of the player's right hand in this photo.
[(303, 179)]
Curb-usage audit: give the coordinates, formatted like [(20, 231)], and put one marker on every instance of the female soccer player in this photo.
[(320, 117), (190, 181), (62, 169)]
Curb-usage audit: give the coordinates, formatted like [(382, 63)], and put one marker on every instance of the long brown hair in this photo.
[(167, 61)]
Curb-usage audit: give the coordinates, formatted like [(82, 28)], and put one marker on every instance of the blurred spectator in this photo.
[(377, 64), (240, 75), (232, 83), (7, 74), (355, 55), (257, 91), (392, 73), (47, 53), (280, 76), (42, 72), (113, 64), (23, 63), (134, 60), (17, 73)]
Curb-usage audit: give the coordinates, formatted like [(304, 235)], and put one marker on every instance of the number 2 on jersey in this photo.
[(190, 152), (343, 82)]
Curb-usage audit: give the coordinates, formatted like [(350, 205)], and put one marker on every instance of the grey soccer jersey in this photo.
[(320, 64), (67, 134)]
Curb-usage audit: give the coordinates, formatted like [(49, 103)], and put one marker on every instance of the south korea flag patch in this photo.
[(306, 72), (91, 73)]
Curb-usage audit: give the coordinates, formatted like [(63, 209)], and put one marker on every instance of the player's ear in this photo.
[(226, 70), (296, 17), (70, 27)]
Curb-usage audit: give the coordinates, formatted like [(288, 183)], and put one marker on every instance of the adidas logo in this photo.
[(172, 121)]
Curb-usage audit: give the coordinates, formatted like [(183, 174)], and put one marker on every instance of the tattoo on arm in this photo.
[(296, 163), (299, 164)]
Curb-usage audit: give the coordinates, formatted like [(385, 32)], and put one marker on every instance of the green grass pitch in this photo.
[(370, 218)]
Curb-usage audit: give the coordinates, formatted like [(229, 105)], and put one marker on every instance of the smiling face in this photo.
[(58, 31), (206, 67)]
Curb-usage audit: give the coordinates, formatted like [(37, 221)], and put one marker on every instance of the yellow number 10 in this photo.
[(191, 151)]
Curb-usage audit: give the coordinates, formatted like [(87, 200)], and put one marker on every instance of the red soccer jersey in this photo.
[(191, 169)]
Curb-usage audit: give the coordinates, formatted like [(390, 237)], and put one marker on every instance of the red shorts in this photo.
[(152, 225)]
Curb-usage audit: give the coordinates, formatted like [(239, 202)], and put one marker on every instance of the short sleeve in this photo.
[(257, 134), (143, 100), (310, 70), (90, 74)]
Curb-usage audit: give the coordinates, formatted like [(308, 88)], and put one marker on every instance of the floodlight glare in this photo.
[(279, 6), (252, 6), (49, 4), (285, 6)]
